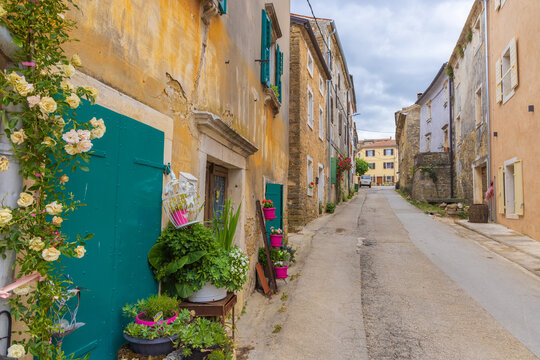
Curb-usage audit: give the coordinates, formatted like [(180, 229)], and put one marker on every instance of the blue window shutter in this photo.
[(333, 170), (266, 39), (222, 7)]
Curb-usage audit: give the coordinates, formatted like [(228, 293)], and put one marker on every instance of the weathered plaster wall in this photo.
[(162, 54), (470, 137), (408, 141), (440, 114), (304, 140), (424, 188), (517, 128)]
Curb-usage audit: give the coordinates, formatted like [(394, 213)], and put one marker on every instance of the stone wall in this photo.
[(408, 139), (304, 140), (424, 188)]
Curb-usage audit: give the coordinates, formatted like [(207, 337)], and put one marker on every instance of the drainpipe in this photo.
[(451, 134), (10, 188), (488, 122), (329, 111)]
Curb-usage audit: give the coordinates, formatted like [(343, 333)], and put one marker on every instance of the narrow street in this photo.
[(385, 281)]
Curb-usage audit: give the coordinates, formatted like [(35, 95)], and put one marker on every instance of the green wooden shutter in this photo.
[(266, 39), (222, 7), (279, 70), (274, 192), (333, 170)]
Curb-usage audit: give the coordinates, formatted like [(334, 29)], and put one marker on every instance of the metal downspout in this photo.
[(488, 120), (450, 129), (329, 112)]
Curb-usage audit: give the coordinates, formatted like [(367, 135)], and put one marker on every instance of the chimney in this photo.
[(419, 95)]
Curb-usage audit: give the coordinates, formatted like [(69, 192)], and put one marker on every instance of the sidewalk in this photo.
[(508, 243)]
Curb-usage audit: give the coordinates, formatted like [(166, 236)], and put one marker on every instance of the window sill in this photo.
[(272, 99), (310, 126), (508, 97), (512, 216), (310, 192)]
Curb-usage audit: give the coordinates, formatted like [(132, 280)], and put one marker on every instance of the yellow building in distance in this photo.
[(382, 157)]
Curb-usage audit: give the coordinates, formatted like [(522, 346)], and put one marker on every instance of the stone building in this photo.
[(309, 169), (382, 157), (469, 110), (190, 83), (342, 102), (408, 143), (513, 48)]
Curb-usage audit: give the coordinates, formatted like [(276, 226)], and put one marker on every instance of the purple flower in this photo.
[(29, 63)]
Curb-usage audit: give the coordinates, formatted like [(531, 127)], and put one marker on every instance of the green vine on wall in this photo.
[(38, 109)]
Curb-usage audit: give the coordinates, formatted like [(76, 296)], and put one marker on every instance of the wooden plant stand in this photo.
[(273, 282), (215, 308)]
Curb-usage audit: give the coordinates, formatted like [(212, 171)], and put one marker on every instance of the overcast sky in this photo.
[(393, 48)]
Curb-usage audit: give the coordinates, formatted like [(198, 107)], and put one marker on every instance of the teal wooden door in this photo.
[(274, 192), (122, 193)]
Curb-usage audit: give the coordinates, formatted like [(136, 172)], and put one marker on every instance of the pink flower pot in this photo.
[(138, 320), (276, 240), (269, 213), (180, 217), (281, 272)]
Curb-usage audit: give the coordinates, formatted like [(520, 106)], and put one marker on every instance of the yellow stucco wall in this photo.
[(379, 159), (517, 128)]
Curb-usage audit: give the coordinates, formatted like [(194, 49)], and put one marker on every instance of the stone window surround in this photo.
[(321, 85), (309, 107), (221, 144), (310, 63), (321, 123), (509, 188), (309, 174)]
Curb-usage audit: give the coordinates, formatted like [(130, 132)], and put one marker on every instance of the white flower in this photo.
[(68, 70), (4, 163), (23, 87), (22, 290), (79, 251), (48, 141), (13, 78), (97, 123), (25, 200), (76, 60), (50, 254), (33, 100), (54, 208), (47, 105), (97, 133), (73, 100), (36, 244), (93, 91), (5, 216), (71, 137), (72, 149), (18, 137), (16, 351), (66, 86), (84, 145), (83, 134), (57, 220)]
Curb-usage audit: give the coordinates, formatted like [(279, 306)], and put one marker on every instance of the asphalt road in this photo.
[(427, 293)]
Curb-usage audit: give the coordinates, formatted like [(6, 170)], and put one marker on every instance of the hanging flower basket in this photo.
[(180, 199)]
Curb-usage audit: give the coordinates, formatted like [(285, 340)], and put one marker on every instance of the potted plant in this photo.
[(269, 210), (158, 338), (311, 185), (205, 339), (276, 237), (157, 309), (179, 206), (280, 259)]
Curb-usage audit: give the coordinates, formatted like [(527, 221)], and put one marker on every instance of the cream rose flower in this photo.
[(60, 122), (73, 100), (68, 70), (93, 91), (18, 137), (33, 100), (36, 244), (84, 134), (3, 11), (71, 137), (23, 87), (48, 141), (22, 290), (97, 133), (64, 179), (79, 251), (13, 78), (76, 60), (57, 220), (16, 351), (25, 200), (54, 208), (47, 105), (66, 86), (72, 149), (4, 163), (84, 145), (97, 123), (5, 216), (50, 254)]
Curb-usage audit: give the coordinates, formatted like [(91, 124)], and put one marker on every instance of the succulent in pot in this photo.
[(205, 339)]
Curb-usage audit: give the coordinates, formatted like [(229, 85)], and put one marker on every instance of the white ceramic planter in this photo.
[(208, 293)]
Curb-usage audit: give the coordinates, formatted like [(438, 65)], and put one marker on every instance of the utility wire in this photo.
[(317, 23)]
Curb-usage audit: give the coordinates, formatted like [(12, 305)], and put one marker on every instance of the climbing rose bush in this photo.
[(38, 111)]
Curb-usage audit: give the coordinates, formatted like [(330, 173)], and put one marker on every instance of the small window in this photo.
[(388, 165), (370, 153), (457, 100), (388, 152), (310, 63), (478, 107), (389, 179), (309, 175), (371, 165), (339, 81), (506, 73), (445, 141), (321, 122), (428, 109), (310, 107), (340, 123), (321, 85), (428, 142), (458, 129)]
